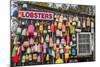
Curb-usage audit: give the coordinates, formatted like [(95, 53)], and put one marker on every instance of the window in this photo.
[(84, 44)]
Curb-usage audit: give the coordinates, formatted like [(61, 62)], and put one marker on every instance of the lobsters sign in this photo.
[(35, 15)]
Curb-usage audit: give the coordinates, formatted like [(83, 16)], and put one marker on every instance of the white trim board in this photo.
[(82, 2)]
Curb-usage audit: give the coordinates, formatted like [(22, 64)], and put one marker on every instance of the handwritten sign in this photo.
[(36, 15)]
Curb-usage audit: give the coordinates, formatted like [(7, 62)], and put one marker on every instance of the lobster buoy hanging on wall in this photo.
[(67, 24), (18, 32), (16, 59), (52, 27), (25, 44), (61, 18), (41, 28), (67, 49), (63, 28), (60, 25), (68, 37), (88, 22), (30, 29)]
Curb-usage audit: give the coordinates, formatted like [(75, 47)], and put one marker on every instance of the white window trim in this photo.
[(84, 54)]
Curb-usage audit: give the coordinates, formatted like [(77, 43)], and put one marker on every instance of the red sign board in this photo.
[(36, 15)]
